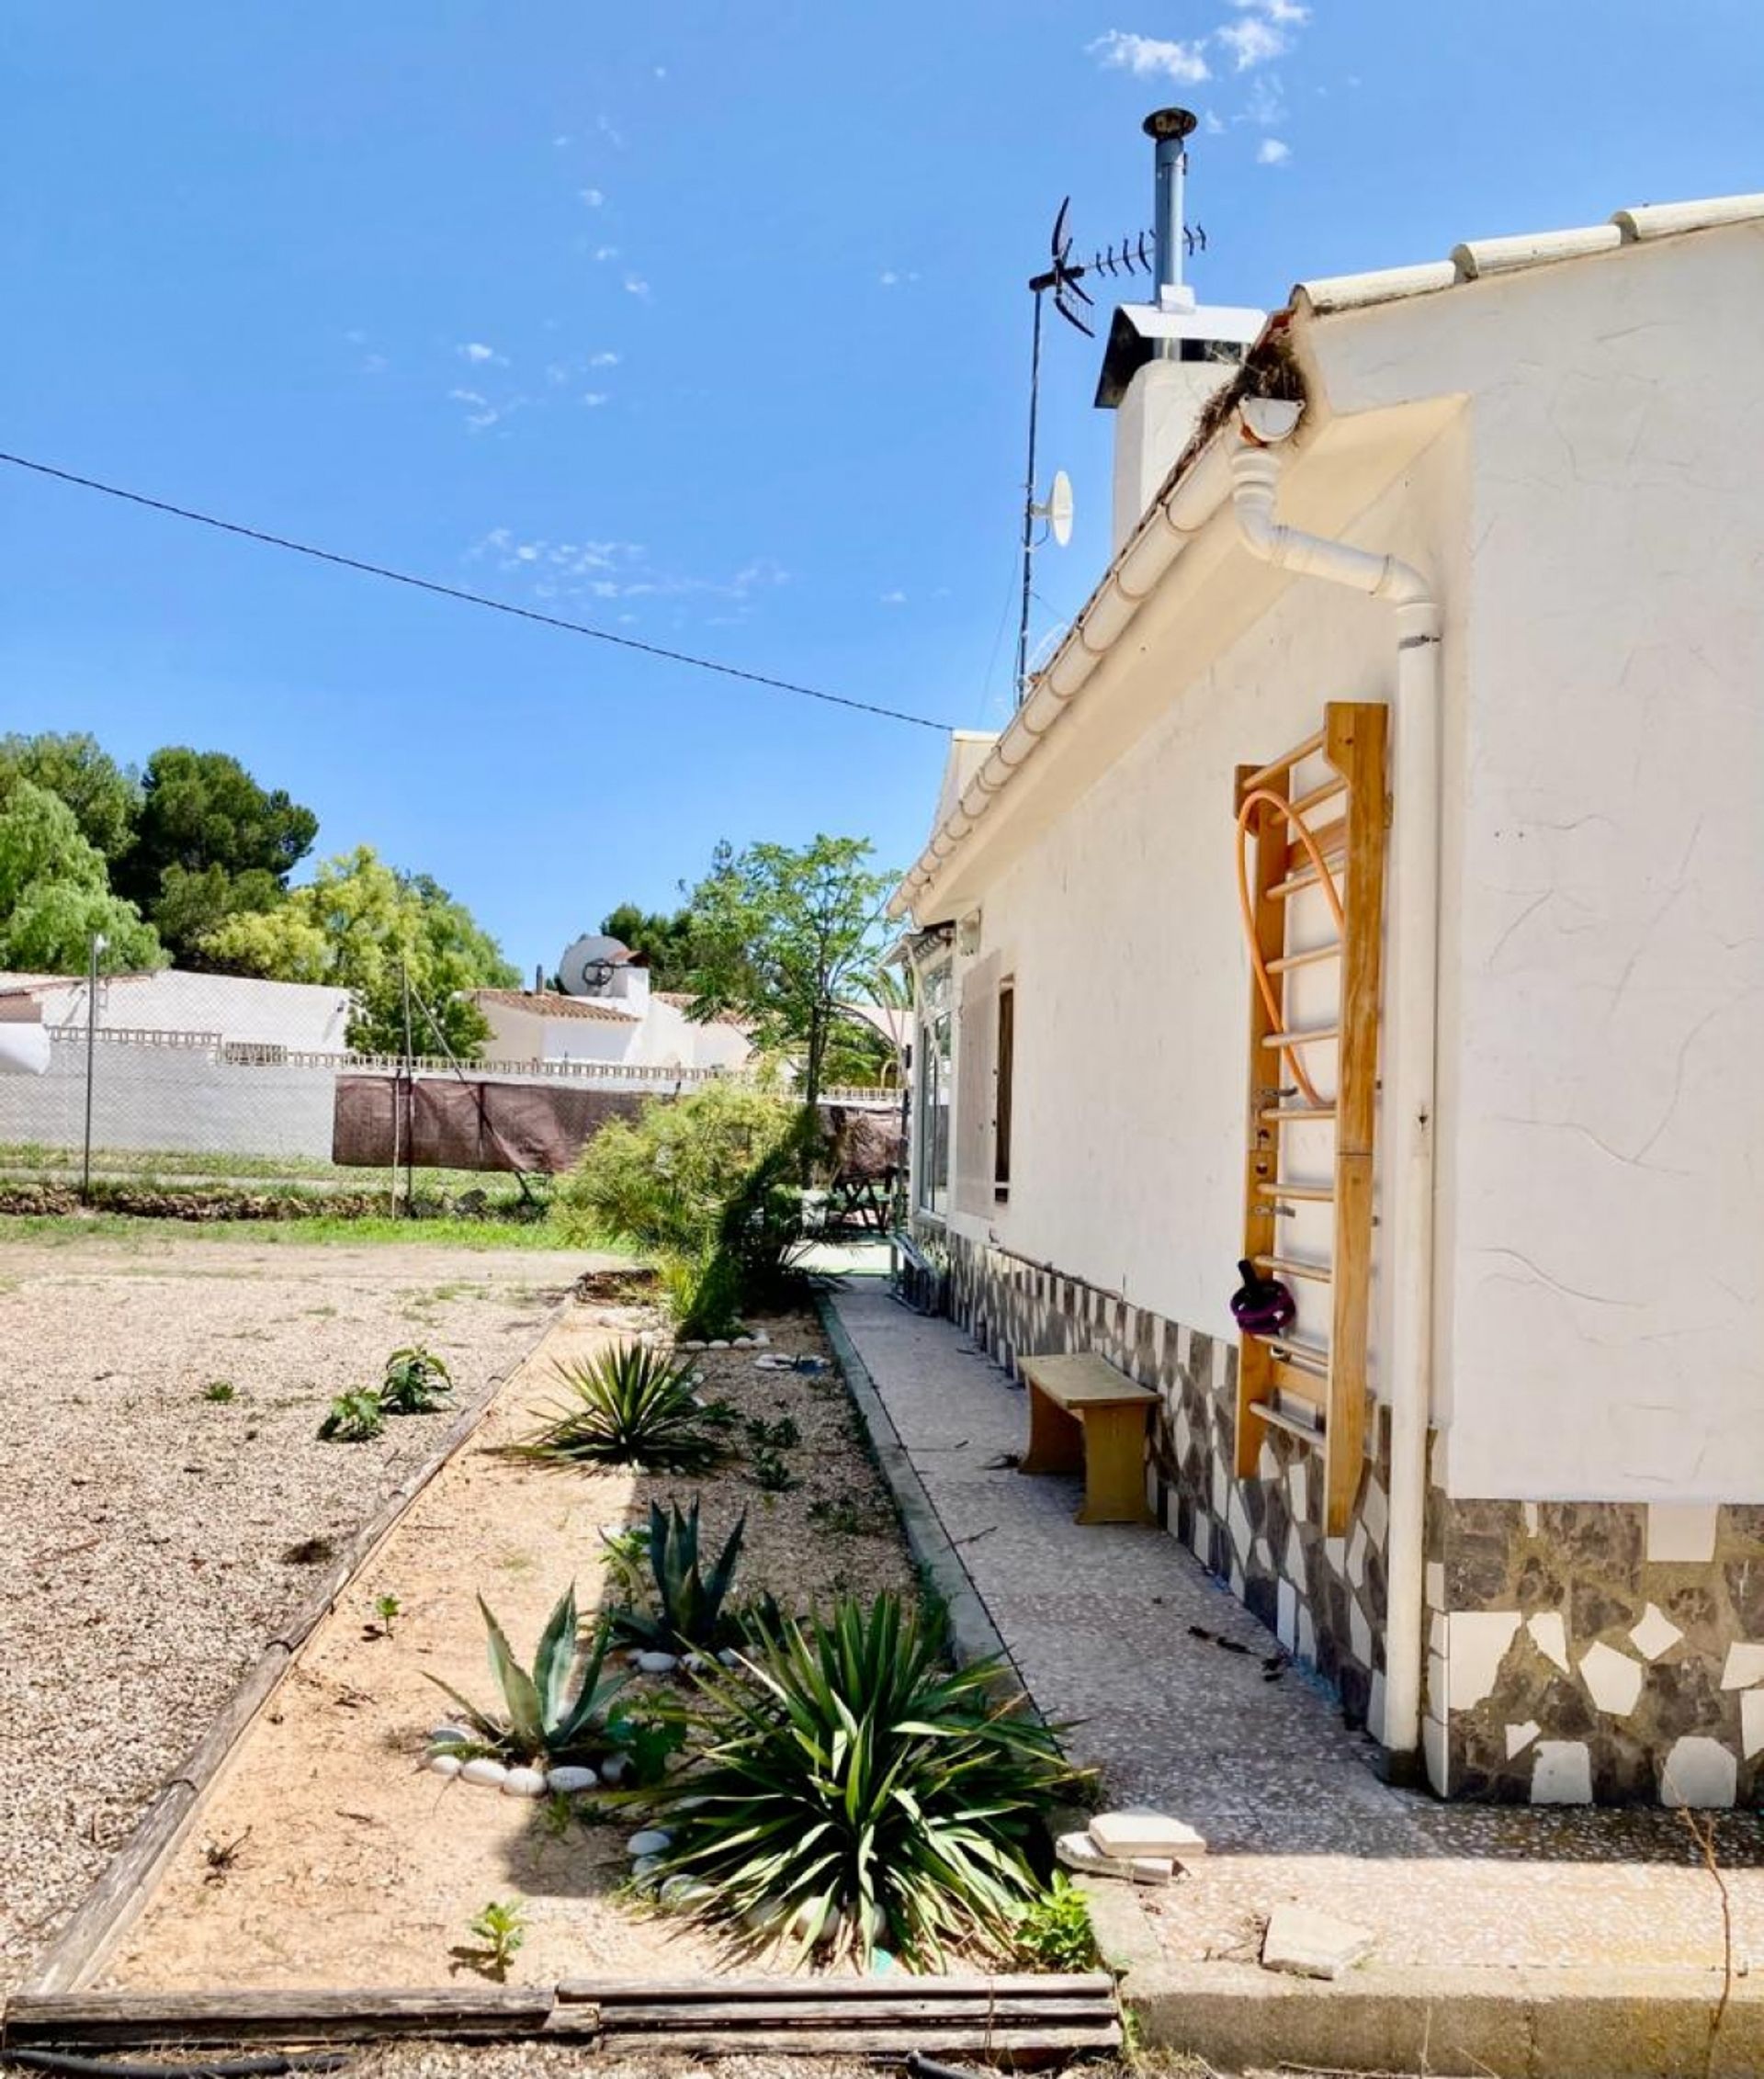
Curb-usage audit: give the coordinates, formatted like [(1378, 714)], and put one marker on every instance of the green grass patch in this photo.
[(55, 1229)]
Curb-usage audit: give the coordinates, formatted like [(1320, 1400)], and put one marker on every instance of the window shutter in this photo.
[(976, 1075)]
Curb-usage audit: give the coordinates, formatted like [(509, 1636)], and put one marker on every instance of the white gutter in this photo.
[(1180, 512), (1413, 1024)]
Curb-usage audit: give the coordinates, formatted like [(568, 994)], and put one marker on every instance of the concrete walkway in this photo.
[(1115, 1632)]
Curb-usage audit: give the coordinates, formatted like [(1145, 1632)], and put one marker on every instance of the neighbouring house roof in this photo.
[(683, 999), (554, 1004), (978, 775)]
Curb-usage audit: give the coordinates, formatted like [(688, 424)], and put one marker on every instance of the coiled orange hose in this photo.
[(1247, 909)]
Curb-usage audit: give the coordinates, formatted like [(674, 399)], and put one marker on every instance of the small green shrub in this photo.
[(772, 1475), (501, 1926), (388, 1608), (781, 1435), (354, 1418), (219, 1391), (628, 1407), (704, 1296), (558, 1711), (648, 1743), (1054, 1932), (691, 1616), (628, 1561), (416, 1381), (853, 1789)]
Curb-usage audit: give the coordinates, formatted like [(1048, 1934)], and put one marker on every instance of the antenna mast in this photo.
[(1029, 508)]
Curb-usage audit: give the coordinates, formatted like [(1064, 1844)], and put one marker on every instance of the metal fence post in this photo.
[(91, 1052)]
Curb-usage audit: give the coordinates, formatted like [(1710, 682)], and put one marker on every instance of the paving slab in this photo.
[(1114, 1631)]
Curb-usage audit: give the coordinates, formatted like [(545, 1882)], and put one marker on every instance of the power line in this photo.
[(467, 598)]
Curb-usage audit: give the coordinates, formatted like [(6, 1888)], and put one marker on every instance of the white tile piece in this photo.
[(1751, 1722), (1287, 1615), (1655, 1635), (1528, 1509), (1126, 1833), (1433, 1582), (1614, 1680), (1476, 1643), (1359, 1633), (1357, 1556), (1306, 1634), (1375, 1705), (1549, 1633), (1519, 1737), (1700, 1773), (1562, 1773), (1434, 1747), (1307, 1944), (1744, 1665), (1680, 1532), (1376, 1514)]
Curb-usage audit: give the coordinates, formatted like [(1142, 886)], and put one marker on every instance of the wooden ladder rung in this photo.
[(1295, 883), (1309, 1194), (1294, 1347), (1293, 1425), (1288, 961), (1305, 1113), (1276, 766), (1287, 1266), (1319, 795), (1315, 1037)]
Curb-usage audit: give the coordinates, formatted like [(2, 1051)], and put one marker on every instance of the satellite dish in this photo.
[(587, 966), (1059, 508)]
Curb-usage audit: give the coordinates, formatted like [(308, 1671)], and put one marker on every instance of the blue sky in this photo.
[(706, 322)]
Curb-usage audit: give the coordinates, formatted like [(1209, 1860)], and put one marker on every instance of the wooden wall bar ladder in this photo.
[(1287, 1382)]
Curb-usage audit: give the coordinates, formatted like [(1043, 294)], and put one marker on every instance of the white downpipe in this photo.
[(1414, 1026)]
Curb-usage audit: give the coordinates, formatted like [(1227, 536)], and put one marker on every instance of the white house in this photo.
[(235, 1009), (1502, 1482), (631, 1024)]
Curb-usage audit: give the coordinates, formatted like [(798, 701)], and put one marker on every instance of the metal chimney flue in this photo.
[(1170, 129)]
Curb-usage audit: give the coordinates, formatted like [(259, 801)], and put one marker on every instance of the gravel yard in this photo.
[(153, 1534)]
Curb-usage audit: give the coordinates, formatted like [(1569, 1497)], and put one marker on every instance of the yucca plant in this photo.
[(558, 1711), (853, 1790), (690, 1616), (416, 1381), (628, 1407)]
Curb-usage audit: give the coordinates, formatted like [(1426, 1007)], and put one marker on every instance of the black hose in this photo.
[(200, 2068), (919, 2066)]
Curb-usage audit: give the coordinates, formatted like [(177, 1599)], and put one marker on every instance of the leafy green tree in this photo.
[(782, 937), (208, 842), (363, 926), (80, 772), (54, 894), (666, 941)]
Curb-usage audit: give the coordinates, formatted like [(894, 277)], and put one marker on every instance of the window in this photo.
[(1007, 1042), (932, 1163)]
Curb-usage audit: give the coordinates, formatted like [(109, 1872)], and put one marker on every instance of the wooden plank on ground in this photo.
[(869, 2041), (115, 2020), (612, 1993)]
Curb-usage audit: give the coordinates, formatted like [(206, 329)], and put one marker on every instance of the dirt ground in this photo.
[(358, 1865), (146, 1558)]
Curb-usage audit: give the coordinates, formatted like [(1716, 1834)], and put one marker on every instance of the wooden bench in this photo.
[(1084, 1415)]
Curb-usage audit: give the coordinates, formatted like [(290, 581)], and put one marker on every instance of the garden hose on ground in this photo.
[(271, 2067)]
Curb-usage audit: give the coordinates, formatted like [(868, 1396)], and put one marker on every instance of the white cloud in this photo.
[(605, 570), (894, 599), (1265, 104), (603, 361), (591, 197), (375, 365), (636, 286), (892, 278), (606, 252), (476, 352), (1211, 125), (1272, 151), (614, 136), (1286, 11), (594, 397), (560, 141), (1252, 41), (1149, 56)]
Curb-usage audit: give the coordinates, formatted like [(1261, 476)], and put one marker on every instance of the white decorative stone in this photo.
[(615, 1768), (524, 1783), (1312, 1945), (1519, 1737), (1562, 1773), (644, 1868), (566, 1781), (694, 1344), (729, 1657), (485, 1769), (451, 1737), (761, 1338), (1681, 1532), (680, 1892), (656, 1663), (651, 1841), (764, 1916), (1476, 1642), (743, 1342), (1699, 1772), (1077, 1851), (1152, 1869), (1124, 1835), (1614, 1680), (1744, 1666), (1549, 1633), (718, 1342), (1655, 1635), (1751, 1722), (445, 1764)]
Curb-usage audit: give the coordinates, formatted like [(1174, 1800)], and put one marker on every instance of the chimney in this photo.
[(1167, 360)]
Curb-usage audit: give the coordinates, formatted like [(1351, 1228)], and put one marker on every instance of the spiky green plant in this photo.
[(556, 1713), (690, 1616), (628, 1407), (416, 1381), (851, 1790), (501, 1926), (353, 1418)]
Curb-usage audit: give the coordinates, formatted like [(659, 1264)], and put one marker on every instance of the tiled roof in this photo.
[(1482, 256), (684, 1000), (552, 1004)]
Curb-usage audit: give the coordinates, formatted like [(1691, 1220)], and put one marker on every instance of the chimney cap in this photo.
[(1171, 122)]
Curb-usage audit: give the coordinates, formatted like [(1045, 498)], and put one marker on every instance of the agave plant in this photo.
[(557, 1712), (851, 1790), (416, 1381), (628, 1406), (690, 1615)]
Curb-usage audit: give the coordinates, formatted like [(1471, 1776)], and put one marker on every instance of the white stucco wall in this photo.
[(303, 1015), (663, 1037)]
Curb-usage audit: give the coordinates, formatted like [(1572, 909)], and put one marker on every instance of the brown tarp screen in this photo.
[(443, 1124)]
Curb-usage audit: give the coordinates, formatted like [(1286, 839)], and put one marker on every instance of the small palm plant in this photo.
[(628, 1406), (557, 1712), (851, 1790), (690, 1615), (416, 1381)]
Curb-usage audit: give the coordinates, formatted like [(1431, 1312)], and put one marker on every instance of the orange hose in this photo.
[(1247, 909)]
